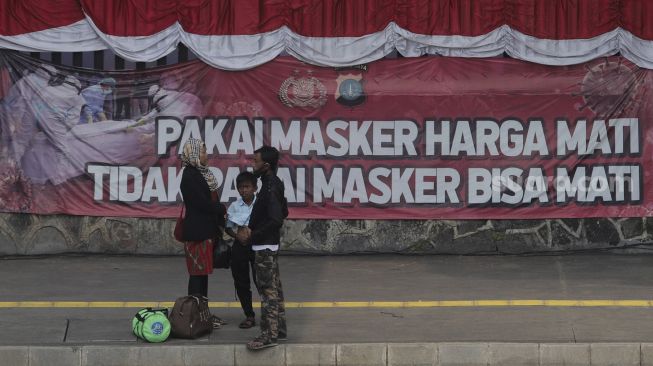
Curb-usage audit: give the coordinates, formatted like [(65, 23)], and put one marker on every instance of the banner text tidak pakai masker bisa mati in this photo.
[(417, 139)]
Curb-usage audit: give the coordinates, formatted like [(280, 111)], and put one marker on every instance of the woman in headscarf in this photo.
[(204, 217)]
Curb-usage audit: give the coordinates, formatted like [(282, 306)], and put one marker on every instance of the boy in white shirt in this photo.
[(242, 255)]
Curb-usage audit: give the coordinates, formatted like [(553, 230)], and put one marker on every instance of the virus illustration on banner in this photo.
[(15, 189), (303, 92), (609, 88)]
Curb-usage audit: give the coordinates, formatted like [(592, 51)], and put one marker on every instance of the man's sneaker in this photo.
[(282, 337)]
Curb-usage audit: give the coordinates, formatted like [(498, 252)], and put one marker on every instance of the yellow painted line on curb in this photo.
[(342, 304)]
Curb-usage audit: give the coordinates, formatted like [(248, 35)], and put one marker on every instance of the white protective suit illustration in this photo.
[(167, 100), (49, 145), (17, 120)]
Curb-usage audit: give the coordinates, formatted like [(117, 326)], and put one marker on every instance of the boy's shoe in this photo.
[(261, 342), (247, 323), (282, 337)]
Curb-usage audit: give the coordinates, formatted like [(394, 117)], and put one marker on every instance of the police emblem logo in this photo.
[(302, 92), (349, 90)]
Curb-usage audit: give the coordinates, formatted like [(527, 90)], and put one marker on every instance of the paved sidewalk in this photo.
[(383, 309)]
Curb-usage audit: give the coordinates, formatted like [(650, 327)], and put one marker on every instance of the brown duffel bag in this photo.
[(190, 317)]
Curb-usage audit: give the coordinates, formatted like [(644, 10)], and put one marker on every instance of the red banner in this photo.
[(396, 139)]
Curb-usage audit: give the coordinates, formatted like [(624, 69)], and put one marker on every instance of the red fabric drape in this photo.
[(130, 17), (241, 34), (636, 17), (548, 19), (562, 19), (465, 18), (25, 16)]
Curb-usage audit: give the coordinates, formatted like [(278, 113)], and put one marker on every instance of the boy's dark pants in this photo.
[(242, 259)]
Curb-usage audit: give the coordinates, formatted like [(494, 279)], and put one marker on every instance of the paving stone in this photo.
[(99, 330), (310, 354), (108, 355), (464, 354), (361, 354), (514, 354), (213, 355), (425, 354), (14, 356), (646, 354), (150, 354), (55, 356), (273, 356), (564, 354), (20, 331), (615, 354)]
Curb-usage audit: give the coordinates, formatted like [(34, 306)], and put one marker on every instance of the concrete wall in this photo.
[(22, 234)]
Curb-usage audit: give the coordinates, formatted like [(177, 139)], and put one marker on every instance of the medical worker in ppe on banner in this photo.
[(168, 99), (16, 117), (56, 111), (95, 97), (62, 148), (25, 86), (18, 123)]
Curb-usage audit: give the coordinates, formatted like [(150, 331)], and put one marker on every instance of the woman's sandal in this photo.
[(247, 323), (261, 342), (217, 322)]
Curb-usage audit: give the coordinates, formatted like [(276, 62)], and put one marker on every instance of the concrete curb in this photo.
[(382, 354)]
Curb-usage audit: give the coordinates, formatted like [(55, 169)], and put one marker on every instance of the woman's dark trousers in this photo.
[(198, 285)]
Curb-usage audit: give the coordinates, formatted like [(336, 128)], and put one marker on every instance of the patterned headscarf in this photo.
[(191, 157)]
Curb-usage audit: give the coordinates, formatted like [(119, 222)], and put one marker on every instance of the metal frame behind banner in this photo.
[(109, 61)]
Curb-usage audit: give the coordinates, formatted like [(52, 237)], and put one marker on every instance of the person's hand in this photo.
[(102, 116), (230, 232), (243, 235)]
